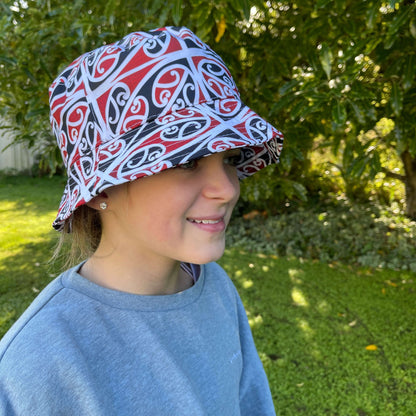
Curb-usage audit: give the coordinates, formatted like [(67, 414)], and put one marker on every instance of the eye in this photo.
[(192, 164), (234, 158)]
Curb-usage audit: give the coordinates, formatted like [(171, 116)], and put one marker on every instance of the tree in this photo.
[(328, 69), (347, 65), (38, 38)]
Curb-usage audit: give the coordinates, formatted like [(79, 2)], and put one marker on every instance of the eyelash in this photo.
[(192, 164)]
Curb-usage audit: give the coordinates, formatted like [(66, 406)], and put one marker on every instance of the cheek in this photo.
[(236, 184), (162, 217)]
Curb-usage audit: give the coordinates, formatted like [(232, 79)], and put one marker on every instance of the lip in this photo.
[(213, 224)]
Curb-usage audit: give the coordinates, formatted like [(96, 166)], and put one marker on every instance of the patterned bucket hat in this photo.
[(146, 103)]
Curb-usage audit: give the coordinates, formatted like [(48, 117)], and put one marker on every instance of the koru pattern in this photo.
[(147, 103)]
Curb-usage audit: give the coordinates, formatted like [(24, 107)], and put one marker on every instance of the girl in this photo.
[(155, 139)]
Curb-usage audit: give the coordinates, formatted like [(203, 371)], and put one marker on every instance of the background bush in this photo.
[(365, 235)]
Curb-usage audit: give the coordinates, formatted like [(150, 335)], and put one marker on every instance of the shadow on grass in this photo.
[(24, 268), (36, 194), (22, 275), (334, 341)]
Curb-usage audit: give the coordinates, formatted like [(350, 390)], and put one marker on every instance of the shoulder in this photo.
[(39, 348), (214, 270), (36, 326), (219, 284), (216, 275)]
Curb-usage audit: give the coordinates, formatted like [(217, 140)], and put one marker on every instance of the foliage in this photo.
[(325, 69), (331, 337), (355, 67), (365, 235)]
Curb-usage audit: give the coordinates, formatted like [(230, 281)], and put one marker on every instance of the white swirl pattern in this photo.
[(147, 103)]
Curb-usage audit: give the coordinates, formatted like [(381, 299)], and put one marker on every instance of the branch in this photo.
[(393, 175)]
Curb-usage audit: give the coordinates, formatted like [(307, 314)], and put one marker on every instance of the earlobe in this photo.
[(99, 202)]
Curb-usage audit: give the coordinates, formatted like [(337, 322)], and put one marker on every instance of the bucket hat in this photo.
[(149, 102)]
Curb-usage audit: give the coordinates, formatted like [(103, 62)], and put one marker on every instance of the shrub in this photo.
[(365, 235)]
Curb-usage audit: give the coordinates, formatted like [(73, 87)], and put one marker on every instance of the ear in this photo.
[(97, 200)]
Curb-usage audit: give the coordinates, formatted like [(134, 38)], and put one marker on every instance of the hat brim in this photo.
[(168, 141)]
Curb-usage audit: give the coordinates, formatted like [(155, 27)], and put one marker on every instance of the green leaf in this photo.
[(30, 75), (402, 142), (202, 13), (288, 86), (40, 111), (412, 28), (371, 45), (409, 72), (375, 164), (300, 191), (372, 14), (358, 111), (244, 4), (283, 102), (313, 60), (357, 168), (298, 109), (322, 3), (177, 12), (163, 16), (155, 6), (110, 8), (339, 112), (396, 99), (8, 60), (6, 10), (325, 56), (402, 15), (205, 29)]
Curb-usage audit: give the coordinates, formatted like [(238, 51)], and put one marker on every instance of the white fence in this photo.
[(16, 157)]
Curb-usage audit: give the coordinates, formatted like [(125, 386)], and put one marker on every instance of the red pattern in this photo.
[(147, 103)]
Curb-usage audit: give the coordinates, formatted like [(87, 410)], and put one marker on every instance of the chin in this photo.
[(207, 256)]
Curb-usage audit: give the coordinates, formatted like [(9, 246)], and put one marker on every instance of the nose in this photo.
[(220, 180)]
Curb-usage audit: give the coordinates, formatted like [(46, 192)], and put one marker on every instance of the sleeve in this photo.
[(255, 395)]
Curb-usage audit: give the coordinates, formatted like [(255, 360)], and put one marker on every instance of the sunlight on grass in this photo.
[(255, 321), (20, 222), (299, 298), (306, 329), (247, 284), (295, 275), (324, 307)]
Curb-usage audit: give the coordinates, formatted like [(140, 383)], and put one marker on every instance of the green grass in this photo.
[(312, 324), (27, 209), (311, 321)]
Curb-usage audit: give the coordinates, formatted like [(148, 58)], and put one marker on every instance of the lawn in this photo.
[(334, 339)]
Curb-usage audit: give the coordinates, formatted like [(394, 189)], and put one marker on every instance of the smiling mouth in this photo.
[(205, 221)]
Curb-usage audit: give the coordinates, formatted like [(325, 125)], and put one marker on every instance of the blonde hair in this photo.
[(79, 238)]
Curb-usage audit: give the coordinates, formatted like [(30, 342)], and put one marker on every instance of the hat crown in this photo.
[(149, 102), (119, 87)]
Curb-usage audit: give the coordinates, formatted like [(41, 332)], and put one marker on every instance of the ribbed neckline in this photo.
[(71, 279)]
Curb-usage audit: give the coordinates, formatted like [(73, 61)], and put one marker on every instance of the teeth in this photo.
[(206, 221)]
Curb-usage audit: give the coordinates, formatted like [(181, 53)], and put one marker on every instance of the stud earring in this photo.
[(103, 205)]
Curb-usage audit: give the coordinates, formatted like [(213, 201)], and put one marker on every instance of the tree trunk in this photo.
[(409, 164)]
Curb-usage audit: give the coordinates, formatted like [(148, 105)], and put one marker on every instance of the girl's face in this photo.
[(179, 214)]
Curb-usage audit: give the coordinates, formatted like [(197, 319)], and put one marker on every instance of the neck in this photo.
[(134, 274)]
